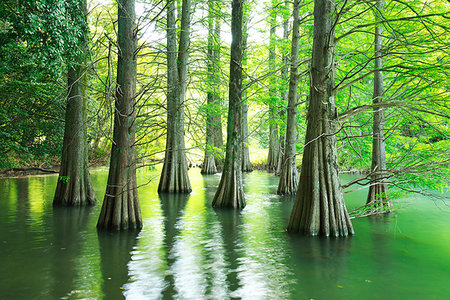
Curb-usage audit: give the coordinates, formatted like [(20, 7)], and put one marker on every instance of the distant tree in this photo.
[(319, 207), (120, 209), (174, 175), (74, 185), (209, 164), (274, 146), (378, 188), (288, 175), (230, 192), (246, 164)]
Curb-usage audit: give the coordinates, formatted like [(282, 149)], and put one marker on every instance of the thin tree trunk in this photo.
[(74, 185), (209, 164), (288, 177), (378, 188), (217, 117), (246, 164), (284, 91), (174, 175), (120, 209), (272, 158), (230, 192), (319, 207)]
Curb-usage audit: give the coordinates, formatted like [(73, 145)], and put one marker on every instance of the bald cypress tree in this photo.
[(74, 185), (120, 209), (174, 175), (378, 188), (288, 175), (230, 192), (319, 207)]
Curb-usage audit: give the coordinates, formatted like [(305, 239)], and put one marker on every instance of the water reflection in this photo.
[(321, 260), (115, 253), (67, 244), (189, 250)]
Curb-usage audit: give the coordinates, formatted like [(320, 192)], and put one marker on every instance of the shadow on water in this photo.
[(68, 224), (115, 253)]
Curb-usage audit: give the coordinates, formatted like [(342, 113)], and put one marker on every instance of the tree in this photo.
[(209, 164), (272, 158), (230, 192), (74, 185), (288, 175), (174, 176), (246, 164), (319, 207), (120, 209), (378, 188)]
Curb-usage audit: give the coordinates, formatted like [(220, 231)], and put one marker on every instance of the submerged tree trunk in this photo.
[(272, 158), (319, 207), (288, 177), (74, 185), (230, 192), (120, 209), (378, 188), (174, 175), (246, 164), (209, 164)]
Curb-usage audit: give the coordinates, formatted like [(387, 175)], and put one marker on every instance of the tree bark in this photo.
[(288, 177), (378, 188), (230, 192), (319, 207), (284, 91), (246, 164), (272, 158), (209, 164), (217, 117), (120, 209), (174, 175), (74, 185)]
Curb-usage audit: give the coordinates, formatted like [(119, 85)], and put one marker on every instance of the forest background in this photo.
[(39, 38)]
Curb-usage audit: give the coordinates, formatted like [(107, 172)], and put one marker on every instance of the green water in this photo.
[(187, 250)]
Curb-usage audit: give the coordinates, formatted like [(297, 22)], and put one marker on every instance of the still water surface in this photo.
[(187, 250)]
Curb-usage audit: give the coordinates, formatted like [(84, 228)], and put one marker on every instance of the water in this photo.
[(187, 250)]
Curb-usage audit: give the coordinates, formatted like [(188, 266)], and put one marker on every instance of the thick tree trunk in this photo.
[(120, 209), (174, 175), (74, 185), (246, 164), (230, 192), (319, 207), (378, 188), (272, 158), (288, 177), (209, 164)]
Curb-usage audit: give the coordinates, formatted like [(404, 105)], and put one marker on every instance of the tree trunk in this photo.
[(246, 164), (174, 175), (74, 185), (378, 188), (217, 117), (284, 91), (288, 177), (230, 192), (209, 164), (319, 207), (120, 209), (272, 158)]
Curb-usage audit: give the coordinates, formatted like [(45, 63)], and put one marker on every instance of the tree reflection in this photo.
[(115, 253)]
